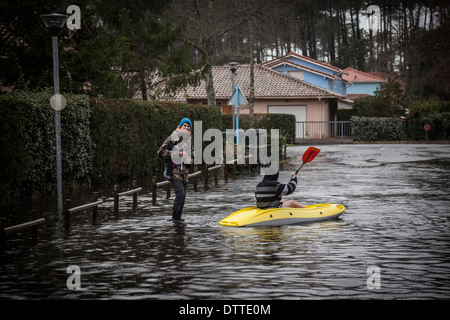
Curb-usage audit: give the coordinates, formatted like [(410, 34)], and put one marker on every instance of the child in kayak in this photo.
[(269, 192), (178, 173)]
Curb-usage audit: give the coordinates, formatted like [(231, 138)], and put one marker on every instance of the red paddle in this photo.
[(308, 156)]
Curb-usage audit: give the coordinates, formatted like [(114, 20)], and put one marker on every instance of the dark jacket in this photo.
[(173, 144), (269, 192)]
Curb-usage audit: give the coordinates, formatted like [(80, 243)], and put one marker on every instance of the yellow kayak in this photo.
[(255, 217)]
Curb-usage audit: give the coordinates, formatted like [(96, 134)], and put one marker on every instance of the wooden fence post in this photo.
[(116, 198), (195, 178), (216, 175), (225, 171), (116, 201), (95, 209), (34, 229), (284, 144), (67, 215), (168, 187), (154, 190), (2, 236), (134, 195), (206, 175)]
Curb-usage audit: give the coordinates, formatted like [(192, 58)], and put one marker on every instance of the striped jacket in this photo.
[(269, 192)]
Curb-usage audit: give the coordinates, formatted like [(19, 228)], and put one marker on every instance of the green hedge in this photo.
[(436, 113), (439, 127), (14, 156), (345, 114), (29, 135), (268, 121), (128, 133), (429, 107), (377, 129)]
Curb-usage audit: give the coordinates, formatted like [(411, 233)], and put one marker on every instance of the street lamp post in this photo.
[(54, 22), (233, 67)]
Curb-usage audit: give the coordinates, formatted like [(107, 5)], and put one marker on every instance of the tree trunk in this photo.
[(358, 31), (352, 23), (210, 94), (303, 36), (331, 46), (312, 39), (143, 85)]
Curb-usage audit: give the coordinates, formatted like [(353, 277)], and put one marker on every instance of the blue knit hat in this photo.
[(184, 120)]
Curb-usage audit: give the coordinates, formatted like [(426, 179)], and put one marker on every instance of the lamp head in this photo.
[(233, 66), (54, 22)]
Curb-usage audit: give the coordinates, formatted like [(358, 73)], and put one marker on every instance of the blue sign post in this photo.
[(427, 127), (237, 99)]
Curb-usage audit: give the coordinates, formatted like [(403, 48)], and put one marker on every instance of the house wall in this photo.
[(363, 88), (338, 86), (310, 77), (315, 110), (316, 79), (311, 65)]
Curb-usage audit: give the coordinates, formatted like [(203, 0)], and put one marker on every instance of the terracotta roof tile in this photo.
[(268, 84), (355, 96), (359, 76)]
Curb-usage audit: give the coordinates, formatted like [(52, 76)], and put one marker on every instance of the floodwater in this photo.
[(393, 241)]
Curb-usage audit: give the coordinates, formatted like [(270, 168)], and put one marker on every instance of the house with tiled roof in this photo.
[(274, 92), (310, 70), (363, 83)]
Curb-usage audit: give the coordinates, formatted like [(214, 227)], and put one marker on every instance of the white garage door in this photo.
[(298, 111)]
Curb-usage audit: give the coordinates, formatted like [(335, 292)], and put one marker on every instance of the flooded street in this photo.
[(397, 221)]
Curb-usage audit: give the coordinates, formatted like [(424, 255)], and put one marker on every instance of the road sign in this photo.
[(58, 102), (427, 127), (237, 99)]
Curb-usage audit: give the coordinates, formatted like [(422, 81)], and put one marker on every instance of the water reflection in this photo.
[(279, 246)]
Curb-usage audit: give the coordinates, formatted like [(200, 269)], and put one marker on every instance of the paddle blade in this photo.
[(310, 154)]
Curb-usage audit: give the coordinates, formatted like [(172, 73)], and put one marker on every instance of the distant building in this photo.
[(363, 83), (313, 71)]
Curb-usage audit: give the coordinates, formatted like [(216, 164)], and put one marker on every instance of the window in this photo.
[(296, 74)]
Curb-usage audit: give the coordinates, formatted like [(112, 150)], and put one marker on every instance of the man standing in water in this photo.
[(177, 150)]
